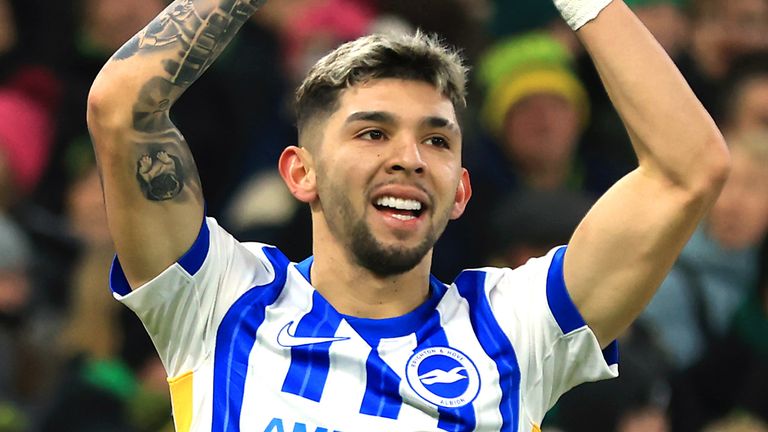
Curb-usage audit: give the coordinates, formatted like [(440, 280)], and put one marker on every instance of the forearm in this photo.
[(160, 62), (672, 133)]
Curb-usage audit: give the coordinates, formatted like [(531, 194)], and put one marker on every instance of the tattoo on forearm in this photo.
[(193, 33), (196, 35)]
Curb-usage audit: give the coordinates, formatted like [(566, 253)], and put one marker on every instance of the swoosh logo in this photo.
[(288, 340)]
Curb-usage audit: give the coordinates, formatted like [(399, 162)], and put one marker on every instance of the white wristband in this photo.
[(579, 12)]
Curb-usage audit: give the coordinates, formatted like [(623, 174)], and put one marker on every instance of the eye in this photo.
[(438, 141), (372, 135)]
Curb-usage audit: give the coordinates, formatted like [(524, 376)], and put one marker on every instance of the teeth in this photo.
[(403, 217), (399, 203)]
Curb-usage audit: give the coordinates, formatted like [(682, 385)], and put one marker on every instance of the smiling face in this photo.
[(388, 173)]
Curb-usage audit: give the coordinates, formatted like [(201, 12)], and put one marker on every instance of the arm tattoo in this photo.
[(160, 175), (195, 35), (164, 163), (192, 33)]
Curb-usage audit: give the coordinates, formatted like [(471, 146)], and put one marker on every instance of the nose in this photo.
[(406, 157)]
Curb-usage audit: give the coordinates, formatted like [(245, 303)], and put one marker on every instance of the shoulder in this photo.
[(547, 268)]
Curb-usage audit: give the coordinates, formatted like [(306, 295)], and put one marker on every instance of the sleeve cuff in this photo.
[(191, 262), (563, 309)]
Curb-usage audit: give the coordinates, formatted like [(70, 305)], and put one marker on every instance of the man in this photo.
[(359, 337)]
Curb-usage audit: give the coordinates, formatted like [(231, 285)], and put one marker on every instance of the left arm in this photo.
[(626, 245)]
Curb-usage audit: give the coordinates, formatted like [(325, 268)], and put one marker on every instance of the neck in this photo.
[(354, 290)]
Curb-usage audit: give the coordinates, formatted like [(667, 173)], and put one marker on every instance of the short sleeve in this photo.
[(555, 348), (180, 307)]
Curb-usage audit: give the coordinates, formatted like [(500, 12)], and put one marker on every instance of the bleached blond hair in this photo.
[(417, 57)]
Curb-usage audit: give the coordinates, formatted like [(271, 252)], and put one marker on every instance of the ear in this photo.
[(463, 194), (297, 170)]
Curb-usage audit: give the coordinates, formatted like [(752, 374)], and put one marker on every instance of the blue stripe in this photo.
[(234, 342), (382, 390), (304, 268), (495, 344), (310, 364), (564, 310), (560, 303), (451, 419), (611, 353), (191, 262), (195, 256), (118, 283)]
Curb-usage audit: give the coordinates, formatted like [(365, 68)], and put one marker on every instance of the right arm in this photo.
[(151, 187)]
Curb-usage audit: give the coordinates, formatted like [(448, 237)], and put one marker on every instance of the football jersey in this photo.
[(250, 345)]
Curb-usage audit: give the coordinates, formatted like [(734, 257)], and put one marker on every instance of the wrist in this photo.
[(579, 12)]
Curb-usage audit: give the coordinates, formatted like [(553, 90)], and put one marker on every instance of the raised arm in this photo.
[(627, 243), (151, 186)]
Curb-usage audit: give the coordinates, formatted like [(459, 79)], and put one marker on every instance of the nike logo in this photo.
[(288, 340)]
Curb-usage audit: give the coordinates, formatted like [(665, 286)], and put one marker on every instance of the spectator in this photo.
[(15, 300), (529, 223), (704, 399), (27, 98), (112, 379), (535, 108), (744, 100), (722, 31)]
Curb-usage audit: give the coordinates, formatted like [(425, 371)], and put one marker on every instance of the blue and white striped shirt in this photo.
[(250, 345)]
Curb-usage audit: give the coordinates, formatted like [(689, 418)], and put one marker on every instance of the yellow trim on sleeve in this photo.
[(536, 428), (181, 400)]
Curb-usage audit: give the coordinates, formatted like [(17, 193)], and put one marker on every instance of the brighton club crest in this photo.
[(443, 376)]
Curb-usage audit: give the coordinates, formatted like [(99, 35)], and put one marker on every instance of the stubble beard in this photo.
[(384, 260), (369, 252)]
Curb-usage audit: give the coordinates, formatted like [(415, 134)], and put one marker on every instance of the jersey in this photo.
[(249, 344)]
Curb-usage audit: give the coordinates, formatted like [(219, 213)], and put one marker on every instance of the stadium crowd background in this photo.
[(541, 142)]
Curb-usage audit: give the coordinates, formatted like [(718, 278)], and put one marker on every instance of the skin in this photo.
[(540, 133), (362, 156), (615, 261)]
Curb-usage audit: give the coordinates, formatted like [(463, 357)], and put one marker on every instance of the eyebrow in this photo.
[(433, 122), (440, 123), (373, 116)]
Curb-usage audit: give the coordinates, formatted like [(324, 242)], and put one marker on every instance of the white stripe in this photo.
[(454, 317)]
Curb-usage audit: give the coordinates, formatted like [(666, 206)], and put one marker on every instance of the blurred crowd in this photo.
[(542, 142)]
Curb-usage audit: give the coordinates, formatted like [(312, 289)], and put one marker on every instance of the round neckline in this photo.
[(375, 329)]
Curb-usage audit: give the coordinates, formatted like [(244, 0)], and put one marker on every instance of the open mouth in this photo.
[(404, 209)]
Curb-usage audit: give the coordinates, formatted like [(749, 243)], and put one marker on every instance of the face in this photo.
[(745, 25), (388, 173), (7, 27), (540, 132), (739, 218), (112, 22), (751, 111)]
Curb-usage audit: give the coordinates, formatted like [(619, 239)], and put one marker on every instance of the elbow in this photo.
[(713, 169), (106, 108)]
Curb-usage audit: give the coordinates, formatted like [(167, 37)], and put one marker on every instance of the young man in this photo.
[(360, 337)]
